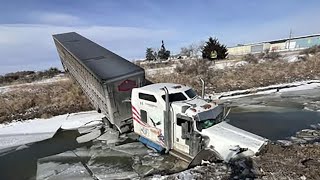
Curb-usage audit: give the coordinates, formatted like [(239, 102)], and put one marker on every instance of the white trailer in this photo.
[(167, 117)]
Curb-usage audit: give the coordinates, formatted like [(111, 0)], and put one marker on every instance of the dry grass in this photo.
[(244, 77), (28, 76), (250, 58), (312, 50), (42, 101), (154, 65)]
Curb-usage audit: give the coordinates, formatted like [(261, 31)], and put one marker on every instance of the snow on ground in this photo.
[(8, 88), (228, 64), (163, 70), (23, 132), (285, 87)]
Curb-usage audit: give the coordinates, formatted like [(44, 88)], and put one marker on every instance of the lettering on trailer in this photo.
[(127, 85)]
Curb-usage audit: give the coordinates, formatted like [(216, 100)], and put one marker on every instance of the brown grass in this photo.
[(250, 58), (42, 101), (154, 65), (243, 77), (28, 76), (312, 50)]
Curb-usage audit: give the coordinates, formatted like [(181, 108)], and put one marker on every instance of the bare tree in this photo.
[(192, 50), (185, 51)]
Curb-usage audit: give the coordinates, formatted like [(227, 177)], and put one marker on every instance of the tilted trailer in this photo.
[(106, 78), (167, 117)]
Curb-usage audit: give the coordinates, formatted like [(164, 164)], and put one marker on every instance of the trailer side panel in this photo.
[(106, 78)]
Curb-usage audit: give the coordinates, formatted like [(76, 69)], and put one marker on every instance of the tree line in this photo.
[(211, 50)]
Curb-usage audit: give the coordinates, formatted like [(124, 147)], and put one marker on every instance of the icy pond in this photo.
[(274, 125), (275, 116)]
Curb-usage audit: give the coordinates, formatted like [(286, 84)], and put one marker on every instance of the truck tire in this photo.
[(206, 154)]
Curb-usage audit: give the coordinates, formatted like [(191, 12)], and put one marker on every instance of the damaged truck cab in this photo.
[(173, 118)]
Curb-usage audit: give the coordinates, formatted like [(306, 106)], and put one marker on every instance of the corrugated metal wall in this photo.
[(257, 48), (307, 42), (278, 46), (239, 50)]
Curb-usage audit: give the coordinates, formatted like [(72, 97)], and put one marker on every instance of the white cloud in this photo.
[(30, 46), (53, 18)]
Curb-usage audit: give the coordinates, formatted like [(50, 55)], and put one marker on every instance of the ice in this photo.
[(279, 88), (62, 171), (186, 175), (77, 120), (23, 132), (135, 148), (285, 142), (292, 58), (110, 136)]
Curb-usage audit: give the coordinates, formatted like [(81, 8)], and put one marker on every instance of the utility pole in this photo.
[(290, 34)]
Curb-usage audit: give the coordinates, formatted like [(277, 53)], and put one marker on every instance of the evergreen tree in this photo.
[(149, 55), (163, 53), (214, 50)]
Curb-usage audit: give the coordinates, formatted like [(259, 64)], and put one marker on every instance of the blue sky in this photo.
[(129, 27)]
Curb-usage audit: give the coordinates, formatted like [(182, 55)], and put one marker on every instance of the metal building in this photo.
[(295, 43)]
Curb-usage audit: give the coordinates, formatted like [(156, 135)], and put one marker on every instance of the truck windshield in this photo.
[(190, 93), (204, 124), (175, 97)]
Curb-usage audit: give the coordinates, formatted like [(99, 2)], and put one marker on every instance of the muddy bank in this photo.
[(290, 162), (297, 161)]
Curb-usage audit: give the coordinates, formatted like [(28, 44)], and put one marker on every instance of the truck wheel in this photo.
[(205, 154)]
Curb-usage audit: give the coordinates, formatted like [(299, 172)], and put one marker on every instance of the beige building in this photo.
[(287, 44)]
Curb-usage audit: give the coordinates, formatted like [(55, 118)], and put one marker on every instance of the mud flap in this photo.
[(207, 155)]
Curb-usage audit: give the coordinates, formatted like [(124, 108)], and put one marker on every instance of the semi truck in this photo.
[(168, 117)]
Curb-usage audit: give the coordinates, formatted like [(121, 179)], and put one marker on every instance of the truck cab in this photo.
[(188, 114), (172, 117)]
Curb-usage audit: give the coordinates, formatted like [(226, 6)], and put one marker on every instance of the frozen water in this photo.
[(23, 132)]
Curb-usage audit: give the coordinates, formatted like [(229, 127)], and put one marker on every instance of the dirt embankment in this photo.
[(28, 101), (276, 162), (289, 162)]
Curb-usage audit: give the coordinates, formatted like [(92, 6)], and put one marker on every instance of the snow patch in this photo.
[(23, 132), (285, 87)]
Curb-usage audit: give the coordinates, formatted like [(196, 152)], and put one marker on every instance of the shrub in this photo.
[(149, 55), (28, 76), (272, 56), (250, 58), (311, 50), (194, 67)]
